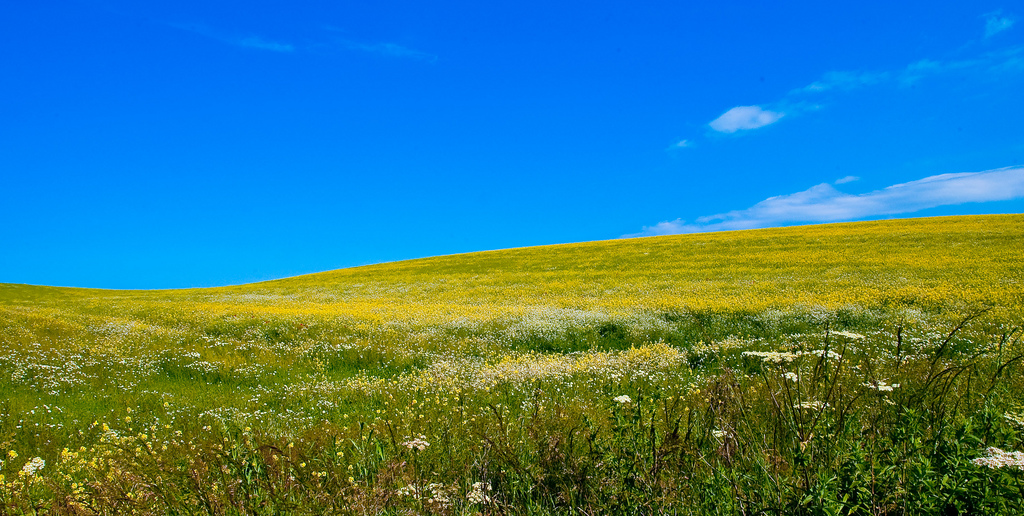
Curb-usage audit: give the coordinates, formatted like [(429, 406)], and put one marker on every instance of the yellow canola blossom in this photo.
[(932, 263), (470, 320)]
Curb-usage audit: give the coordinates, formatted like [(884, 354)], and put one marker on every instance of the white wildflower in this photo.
[(435, 493), (791, 376), (439, 494), (419, 444), (997, 458), (772, 357), (849, 335), (1014, 419), (881, 386), (479, 493), (821, 353), (409, 490), (623, 399), (33, 466)]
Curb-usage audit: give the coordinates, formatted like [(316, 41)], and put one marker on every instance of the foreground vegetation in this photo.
[(865, 368)]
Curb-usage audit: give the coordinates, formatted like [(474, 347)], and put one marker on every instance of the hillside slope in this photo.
[(929, 263), (839, 368)]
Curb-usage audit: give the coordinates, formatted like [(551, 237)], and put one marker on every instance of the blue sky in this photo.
[(182, 144)]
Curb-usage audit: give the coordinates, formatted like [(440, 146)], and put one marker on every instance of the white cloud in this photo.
[(996, 22), (847, 179), (1006, 60), (824, 203), (683, 144), (255, 42), (742, 118), (673, 227)]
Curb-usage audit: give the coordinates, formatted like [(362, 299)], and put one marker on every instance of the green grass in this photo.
[(313, 394)]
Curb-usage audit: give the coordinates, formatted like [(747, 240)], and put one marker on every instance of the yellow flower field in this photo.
[(518, 374)]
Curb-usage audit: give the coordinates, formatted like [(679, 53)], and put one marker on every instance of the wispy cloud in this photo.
[(847, 179), (991, 62), (246, 41), (996, 22), (260, 43), (844, 80), (799, 100), (392, 50), (743, 118), (386, 49), (1007, 60), (825, 203)]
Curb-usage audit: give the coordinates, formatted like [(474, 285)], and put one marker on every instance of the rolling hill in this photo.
[(530, 371)]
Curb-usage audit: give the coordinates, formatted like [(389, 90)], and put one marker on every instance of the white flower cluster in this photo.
[(791, 376), (32, 466), (772, 357), (849, 335), (479, 493), (623, 399), (419, 444), (435, 493), (997, 458), (881, 386), (1015, 419), (820, 353)]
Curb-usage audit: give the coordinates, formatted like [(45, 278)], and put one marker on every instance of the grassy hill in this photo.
[(760, 366)]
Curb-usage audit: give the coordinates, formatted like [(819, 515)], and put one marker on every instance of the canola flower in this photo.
[(463, 347), (635, 287)]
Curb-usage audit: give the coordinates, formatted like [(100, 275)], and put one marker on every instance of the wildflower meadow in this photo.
[(857, 368)]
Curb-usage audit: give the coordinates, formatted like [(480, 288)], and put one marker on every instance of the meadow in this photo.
[(856, 368)]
